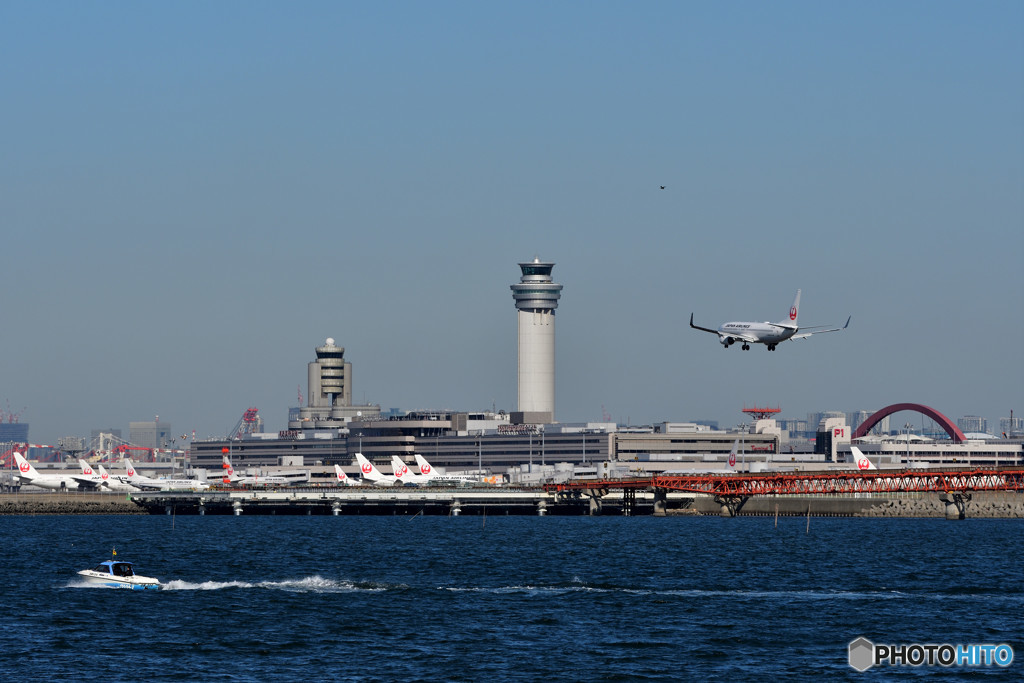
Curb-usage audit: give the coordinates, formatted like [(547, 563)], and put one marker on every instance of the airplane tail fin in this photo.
[(229, 471), (794, 311), (24, 466), (87, 469), (104, 475), (399, 468), (733, 452), (343, 479), (366, 467), (861, 460), (129, 468), (425, 469)]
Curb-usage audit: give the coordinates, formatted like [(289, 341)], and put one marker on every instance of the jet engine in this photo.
[(726, 341)]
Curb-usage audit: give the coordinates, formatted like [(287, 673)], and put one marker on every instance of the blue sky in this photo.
[(197, 194)]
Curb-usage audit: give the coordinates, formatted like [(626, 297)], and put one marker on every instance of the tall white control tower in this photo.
[(536, 300)]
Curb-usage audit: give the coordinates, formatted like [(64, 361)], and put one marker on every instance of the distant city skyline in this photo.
[(196, 195)]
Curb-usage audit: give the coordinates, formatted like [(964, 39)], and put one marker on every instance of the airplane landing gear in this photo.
[(746, 347)]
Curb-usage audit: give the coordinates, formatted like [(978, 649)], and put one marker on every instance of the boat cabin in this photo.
[(115, 568)]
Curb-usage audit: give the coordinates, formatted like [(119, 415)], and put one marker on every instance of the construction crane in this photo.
[(249, 423)]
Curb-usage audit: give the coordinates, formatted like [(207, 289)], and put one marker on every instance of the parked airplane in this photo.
[(139, 481), (343, 479), (769, 334), (92, 475), (862, 460), (427, 470), (114, 483), (256, 480), (29, 475), (372, 475), (407, 476)]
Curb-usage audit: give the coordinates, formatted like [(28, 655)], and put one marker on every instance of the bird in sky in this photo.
[(662, 186)]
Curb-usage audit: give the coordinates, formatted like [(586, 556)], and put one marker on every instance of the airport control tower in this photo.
[(536, 300)]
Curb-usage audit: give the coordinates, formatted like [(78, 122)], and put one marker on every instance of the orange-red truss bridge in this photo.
[(817, 483)]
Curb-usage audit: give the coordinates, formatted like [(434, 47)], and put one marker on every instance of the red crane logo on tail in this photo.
[(367, 468), (24, 467), (425, 469), (792, 312), (863, 463), (732, 460)]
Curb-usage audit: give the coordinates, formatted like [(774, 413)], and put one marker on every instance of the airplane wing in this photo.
[(697, 327), (86, 482), (805, 335)]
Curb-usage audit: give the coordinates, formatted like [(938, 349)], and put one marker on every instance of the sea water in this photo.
[(263, 598)]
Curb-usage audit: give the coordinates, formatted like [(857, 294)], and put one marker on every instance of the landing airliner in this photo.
[(769, 334)]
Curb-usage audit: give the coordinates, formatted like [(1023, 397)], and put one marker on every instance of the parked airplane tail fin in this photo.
[(342, 478), (229, 471), (399, 468), (861, 460), (425, 469), (366, 467), (24, 466)]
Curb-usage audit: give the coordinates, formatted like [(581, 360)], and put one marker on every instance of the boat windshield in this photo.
[(122, 570)]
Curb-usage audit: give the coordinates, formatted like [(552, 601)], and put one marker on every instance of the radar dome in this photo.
[(330, 341)]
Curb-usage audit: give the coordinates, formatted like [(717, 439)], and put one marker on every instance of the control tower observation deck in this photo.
[(536, 299)]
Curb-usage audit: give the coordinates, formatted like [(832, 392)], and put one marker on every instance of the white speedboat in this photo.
[(117, 574)]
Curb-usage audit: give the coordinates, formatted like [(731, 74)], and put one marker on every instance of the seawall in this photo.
[(983, 504), (69, 503)]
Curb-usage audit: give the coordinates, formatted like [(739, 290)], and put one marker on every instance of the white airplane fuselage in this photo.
[(758, 333)]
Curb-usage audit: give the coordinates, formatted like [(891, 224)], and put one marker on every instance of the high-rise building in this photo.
[(1011, 426), (972, 423), (536, 298), (154, 434)]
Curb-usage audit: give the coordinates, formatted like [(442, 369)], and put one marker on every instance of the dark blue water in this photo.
[(506, 598)]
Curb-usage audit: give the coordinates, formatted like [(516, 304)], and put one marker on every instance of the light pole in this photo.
[(480, 451), (907, 426), (542, 445)]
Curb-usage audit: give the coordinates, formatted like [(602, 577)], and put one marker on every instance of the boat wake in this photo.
[(310, 584)]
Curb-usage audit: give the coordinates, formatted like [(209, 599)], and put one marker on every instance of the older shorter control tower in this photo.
[(536, 300)]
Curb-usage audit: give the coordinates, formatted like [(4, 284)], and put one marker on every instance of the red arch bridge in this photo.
[(732, 490)]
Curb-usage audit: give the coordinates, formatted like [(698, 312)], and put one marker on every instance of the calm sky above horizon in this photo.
[(197, 194)]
